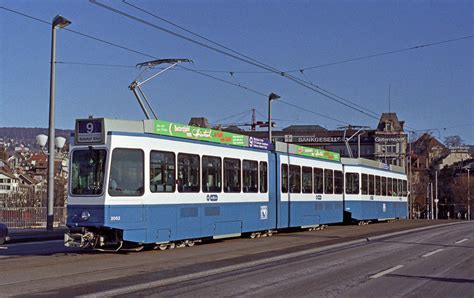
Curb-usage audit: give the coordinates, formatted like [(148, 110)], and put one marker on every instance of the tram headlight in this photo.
[(85, 215)]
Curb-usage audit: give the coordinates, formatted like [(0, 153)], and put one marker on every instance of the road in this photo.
[(341, 261)]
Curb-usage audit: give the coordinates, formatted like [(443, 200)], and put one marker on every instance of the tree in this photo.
[(453, 141)]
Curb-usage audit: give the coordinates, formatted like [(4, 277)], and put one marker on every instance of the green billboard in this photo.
[(198, 133), (317, 153)]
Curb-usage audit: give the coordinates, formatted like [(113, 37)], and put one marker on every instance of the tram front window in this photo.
[(87, 171)]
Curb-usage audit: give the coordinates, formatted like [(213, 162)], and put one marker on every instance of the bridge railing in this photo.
[(31, 217)]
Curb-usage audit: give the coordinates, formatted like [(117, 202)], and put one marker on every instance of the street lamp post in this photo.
[(271, 97), (468, 169), (58, 22)]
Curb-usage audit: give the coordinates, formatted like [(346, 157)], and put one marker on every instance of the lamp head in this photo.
[(273, 96), (41, 140), (60, 21)]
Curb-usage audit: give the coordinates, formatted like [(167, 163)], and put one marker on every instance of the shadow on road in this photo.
[(432, 278)]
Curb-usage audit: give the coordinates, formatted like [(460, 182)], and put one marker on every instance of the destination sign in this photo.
[(89, 131)]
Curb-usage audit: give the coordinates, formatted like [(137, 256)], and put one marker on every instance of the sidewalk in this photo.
[(29, 235)]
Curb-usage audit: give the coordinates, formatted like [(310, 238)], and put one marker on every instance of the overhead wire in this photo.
[(248, 60), (154, 57), (383, 53)]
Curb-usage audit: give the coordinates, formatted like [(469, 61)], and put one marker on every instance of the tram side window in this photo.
[(378, 186), (404, 189), (318, 181), (338, 182), (162, 171), (188, 172), (126, 172), (284, 178), (400, 187), (295, 179), (384, 186), (307, 180), (371, 184), (365, 182), (263, 177), (328, 182), (250, 173), (232, 175), (389, 186), (352, 183), (211, 174)]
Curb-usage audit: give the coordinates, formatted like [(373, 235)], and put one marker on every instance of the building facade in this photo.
[(387, 143)]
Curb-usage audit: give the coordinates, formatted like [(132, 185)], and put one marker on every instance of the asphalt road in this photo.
[(341, 261)]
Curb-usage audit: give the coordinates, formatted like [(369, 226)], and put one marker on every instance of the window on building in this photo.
[(250, 173), (307, 180), (378, 186), (232, 175), (371, 185), (162, 171), (389, 187), (384, 186), (295, 179), (263, 177), (404, 188), (284, 178), (352, 183), (388, 126), (188, 172), (365, 182), (328, 182), (126, 172), (211, 174), (318, 181)]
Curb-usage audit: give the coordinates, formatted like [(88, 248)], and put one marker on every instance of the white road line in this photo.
[(4, 257), (461, 241), (386, 271), (187, 277), (432, 253)]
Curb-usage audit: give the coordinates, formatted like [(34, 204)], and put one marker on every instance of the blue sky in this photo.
[(431, 87)]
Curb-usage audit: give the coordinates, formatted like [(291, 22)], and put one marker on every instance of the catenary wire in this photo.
[(251, 62), (189, 69)]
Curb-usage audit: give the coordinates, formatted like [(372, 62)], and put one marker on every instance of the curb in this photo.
[(35, 236)]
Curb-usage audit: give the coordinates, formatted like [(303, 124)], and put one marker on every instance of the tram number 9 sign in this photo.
[(89, 131)]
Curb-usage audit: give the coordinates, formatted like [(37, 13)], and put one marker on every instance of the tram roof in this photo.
[(372, 164), (92, 131)]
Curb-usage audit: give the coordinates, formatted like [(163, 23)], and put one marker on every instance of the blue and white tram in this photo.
[(374, 191), (162, 183), (148, 188), (310, 190)]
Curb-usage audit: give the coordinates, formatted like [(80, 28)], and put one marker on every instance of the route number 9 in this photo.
[(90, 127)]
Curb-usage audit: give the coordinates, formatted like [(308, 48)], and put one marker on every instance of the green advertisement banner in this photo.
[(317, 153), (198, 133)]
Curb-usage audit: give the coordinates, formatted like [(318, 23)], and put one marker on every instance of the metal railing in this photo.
[(31, 217)]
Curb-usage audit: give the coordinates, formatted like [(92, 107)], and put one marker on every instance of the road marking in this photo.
[(187, 277), (386, 271), (172, 280), (432, 253), (461, 241)]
